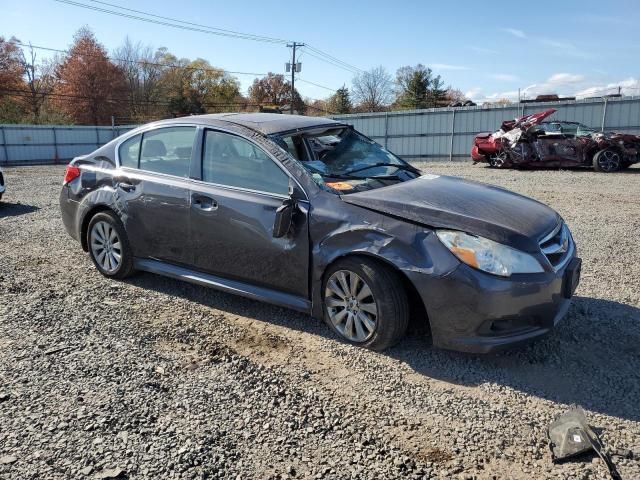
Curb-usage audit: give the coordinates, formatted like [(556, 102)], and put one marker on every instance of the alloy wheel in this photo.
[(351, 306), (609, 161), (106, 246), (498, 160)]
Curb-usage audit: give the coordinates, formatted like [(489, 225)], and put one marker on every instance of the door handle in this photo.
[(125, 185), (204, 203)]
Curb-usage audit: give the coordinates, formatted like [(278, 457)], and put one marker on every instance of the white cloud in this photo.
[(446, 66), (515, 32), (504, 77), (630, 86), (563, 84)]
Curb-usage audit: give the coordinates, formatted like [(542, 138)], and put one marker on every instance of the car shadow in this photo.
[(8, 209), (585, 361)]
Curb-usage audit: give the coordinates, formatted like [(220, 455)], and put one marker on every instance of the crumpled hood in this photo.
[(477, 208)]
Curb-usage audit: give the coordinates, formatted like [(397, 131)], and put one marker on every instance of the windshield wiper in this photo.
[(399, 166)]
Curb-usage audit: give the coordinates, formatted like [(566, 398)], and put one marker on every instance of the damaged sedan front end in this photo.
[(530, 142)]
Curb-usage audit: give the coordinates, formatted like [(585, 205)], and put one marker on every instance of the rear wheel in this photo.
[(498, 159), (109, 246), (607, 161), (365, 303)]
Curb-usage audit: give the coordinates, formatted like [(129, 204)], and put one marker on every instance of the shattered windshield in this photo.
[(344, 160)]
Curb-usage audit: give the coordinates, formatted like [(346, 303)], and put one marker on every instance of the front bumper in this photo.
[(472, 311)]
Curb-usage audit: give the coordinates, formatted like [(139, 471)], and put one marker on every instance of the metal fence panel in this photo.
[(433, 134)]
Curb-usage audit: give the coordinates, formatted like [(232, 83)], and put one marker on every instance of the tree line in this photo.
[(136, 84)]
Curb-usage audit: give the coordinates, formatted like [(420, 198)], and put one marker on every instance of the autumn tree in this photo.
[(340, 102), (12, 87), (373, 89), (91, 89), (273, 89)]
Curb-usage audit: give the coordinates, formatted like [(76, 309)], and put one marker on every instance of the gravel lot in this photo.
[(153, 378)]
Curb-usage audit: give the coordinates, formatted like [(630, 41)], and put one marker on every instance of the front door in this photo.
[(233, 211), (154, 187)]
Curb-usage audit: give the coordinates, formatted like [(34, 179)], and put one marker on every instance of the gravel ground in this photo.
[(154, 378)]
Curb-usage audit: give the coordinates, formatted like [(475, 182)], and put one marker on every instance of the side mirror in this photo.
[(284, 214)]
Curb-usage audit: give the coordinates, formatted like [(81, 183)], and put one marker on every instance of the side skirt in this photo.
[(262, 294)]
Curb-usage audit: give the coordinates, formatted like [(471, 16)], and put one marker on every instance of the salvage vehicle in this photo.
[(529, 142), (2, 184), (309, 214)]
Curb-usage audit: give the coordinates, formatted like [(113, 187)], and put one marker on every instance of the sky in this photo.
[(488, 50)]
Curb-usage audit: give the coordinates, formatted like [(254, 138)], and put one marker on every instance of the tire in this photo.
[(106, 225), (498, 159), (607, 161), (387, 298)]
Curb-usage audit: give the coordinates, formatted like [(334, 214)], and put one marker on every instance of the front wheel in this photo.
[(607, 161), (109, 246), (365, 303)]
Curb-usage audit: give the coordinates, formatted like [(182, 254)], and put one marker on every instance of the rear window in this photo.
[(129, 152)]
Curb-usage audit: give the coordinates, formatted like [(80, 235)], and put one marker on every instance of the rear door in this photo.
[(233, 212), (154, 187)]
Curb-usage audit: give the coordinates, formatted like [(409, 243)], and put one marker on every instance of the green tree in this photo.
[(437, 94), (412, 86), (340, 102)]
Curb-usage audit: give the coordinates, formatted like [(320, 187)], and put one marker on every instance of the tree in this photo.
[(437, 94), (340, 102), (142, 73), (10, 67), (372, 89), (412, 86), (40, 82), (91, 89), (275, 90), (453, 95)]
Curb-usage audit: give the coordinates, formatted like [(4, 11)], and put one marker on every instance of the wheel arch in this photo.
[(87, 218), (419, 318)]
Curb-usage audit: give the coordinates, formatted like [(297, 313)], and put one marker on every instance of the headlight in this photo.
[(487, 255)]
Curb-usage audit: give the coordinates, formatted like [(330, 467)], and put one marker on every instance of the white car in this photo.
[(2, 187)]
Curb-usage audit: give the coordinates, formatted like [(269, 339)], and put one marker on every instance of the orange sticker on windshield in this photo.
[(340, 185)]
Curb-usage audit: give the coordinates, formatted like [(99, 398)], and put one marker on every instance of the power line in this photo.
[(334, 59), (186, 25), (144, 62), (317, 85), (246, 36), (196, 27), (353, 70)]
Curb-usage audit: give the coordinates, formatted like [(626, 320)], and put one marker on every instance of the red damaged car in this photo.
[(531, 142)]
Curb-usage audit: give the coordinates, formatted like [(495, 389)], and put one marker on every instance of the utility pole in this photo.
[(295, 67)]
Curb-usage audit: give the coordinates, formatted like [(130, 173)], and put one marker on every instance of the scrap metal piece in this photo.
[(570, 436)]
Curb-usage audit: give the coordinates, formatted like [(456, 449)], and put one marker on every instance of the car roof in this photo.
[(266, 123)]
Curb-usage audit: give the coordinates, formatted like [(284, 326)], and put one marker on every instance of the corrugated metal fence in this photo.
[(447, 133), (33, 144), (435, 134)]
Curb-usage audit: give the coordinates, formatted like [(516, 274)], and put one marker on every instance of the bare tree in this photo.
[(142, 72), (40, 81), (373, 89)]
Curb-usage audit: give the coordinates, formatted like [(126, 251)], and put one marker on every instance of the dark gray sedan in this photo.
[(309, 214)]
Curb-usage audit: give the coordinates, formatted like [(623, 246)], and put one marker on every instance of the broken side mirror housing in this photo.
[(284, 215)]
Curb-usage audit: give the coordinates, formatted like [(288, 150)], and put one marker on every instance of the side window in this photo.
[(168, 150), (234, 161), (128, 152)]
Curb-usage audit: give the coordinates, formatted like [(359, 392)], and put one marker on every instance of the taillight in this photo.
[(70, 174)]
